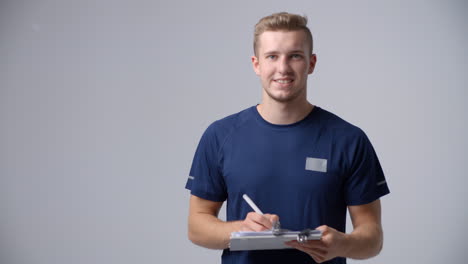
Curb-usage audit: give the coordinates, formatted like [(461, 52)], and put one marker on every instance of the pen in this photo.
[(252, 204), (276, 227)]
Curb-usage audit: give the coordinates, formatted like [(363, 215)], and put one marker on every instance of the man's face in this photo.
[(283, 62)]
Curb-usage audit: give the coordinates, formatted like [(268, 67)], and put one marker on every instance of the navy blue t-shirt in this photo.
[(307, 173)]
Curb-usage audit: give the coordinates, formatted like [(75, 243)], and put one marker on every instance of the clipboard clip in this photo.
[(303, 236)]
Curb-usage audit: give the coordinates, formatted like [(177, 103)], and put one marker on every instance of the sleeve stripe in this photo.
[(381, 182)]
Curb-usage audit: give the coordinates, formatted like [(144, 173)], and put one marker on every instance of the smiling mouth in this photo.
[(286, 81)]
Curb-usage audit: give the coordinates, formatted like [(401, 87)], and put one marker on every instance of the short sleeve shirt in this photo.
[(307, 173)]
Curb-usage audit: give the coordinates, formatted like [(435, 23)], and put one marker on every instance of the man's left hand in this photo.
[(331, 245)]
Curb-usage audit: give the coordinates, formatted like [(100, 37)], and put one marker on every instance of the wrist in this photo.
[(232, 226), (236, 226), (346, 245)]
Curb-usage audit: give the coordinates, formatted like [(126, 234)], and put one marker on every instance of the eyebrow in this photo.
[(276, 52)]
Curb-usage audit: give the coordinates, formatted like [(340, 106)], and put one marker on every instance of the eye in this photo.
[(271, 57), (296, 56)]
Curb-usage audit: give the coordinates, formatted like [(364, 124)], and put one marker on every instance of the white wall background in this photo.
[(102, 104)]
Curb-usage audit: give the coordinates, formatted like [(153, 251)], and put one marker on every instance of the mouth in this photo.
[(283, 81)]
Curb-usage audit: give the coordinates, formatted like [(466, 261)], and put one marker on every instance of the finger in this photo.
[(323, 228), (248, 224), (311, 243), (262, 220), (314, 244), (257, 221), (273, 218), (318, 253), (245, 227), (316, 257), (254, 226)]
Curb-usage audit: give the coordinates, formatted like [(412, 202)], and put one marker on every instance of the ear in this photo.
[(255, 65), (312, 62)]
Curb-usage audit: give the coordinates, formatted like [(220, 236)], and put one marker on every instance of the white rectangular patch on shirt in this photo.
[(314, 164)]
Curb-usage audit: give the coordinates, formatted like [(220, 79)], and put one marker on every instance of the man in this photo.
[(298, 162)]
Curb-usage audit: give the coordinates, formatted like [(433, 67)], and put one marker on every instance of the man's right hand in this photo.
[(207, 230), (257, 222)]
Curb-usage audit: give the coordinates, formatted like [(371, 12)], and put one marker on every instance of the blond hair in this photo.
[(282, 21)]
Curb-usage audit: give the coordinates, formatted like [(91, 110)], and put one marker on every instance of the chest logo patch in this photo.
[(315, 164)]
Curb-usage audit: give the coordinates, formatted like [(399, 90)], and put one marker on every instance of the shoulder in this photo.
[(338, 125), (348, 139), (221, 129)]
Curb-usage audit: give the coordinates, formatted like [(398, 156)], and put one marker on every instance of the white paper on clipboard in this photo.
[(246, 240)]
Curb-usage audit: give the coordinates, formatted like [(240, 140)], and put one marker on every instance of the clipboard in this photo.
[(267, 240)]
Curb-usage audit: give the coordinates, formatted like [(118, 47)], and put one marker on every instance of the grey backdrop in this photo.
[(102, 104)]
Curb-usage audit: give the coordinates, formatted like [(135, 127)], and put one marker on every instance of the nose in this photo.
[(283, 66)]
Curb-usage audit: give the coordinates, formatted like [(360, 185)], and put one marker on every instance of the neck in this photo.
[(284, 113)]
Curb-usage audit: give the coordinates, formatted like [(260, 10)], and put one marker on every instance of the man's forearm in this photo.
[(208, 231), (364, 242)]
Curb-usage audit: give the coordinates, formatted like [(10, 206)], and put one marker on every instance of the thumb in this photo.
[(322, 228)]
